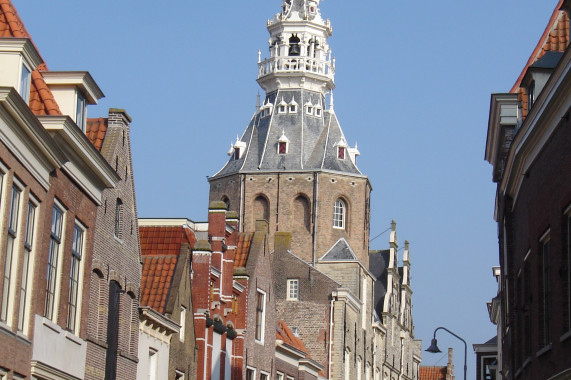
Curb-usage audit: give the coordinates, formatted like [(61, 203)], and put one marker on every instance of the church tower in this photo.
[(293, 166)]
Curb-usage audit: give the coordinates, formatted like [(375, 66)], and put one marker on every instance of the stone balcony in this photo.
[(295, 64)]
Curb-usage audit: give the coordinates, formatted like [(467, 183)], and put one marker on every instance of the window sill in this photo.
[(543, 350), (565, 336), (6, 329), (120, 241), (260, 342), (23, 338)]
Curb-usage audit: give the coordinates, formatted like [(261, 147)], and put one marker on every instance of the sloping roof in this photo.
[(42, 101), (284, 334), (243, 249), (432, 373), (312, 140), (160, 247), (554, 38), (341, 251), (96, 130)]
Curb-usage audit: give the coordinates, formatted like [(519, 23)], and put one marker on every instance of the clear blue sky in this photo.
[(413, 79)]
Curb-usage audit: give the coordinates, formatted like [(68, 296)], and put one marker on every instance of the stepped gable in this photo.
[(341, 251), (555, 38), (160, 247), (42, 101), (95, 130)]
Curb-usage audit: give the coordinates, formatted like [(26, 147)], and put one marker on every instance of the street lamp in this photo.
[(434, 347)]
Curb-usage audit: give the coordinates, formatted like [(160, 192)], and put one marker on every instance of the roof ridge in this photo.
[(14, 24)]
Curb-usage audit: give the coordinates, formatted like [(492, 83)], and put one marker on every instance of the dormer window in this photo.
[(341, 152), (81, 112), (309, 110), (282, 107), (237, 149), (530, 95), (292, 106), (236, 153), (25, 80), (283, 144), (318, 111)]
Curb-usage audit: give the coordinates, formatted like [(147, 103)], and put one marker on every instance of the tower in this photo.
[(292, 166)]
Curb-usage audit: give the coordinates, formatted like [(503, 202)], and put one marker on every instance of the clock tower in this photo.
[(293, 166)]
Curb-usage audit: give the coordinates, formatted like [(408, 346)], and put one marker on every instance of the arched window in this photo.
[(339, 213), (261, 209), (302, 212), (226, 201)]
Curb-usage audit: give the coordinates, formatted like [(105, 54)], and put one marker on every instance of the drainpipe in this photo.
[(330, 337), (315, 203), (242, 188)]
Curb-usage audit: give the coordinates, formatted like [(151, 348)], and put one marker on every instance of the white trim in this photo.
[(263, 324)]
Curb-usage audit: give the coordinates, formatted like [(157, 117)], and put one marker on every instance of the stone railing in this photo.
[(294, 64)]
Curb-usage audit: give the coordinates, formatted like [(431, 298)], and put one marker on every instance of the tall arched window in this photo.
[(261, 209), (302, 212), (119, 218), (339, 213)]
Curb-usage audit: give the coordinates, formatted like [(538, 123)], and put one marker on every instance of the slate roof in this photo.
[(95, 130), (341, 251), (243, 249), (284, 334), (432, 373), (42, 101), (378, 265), (160, 248), (312, 140)]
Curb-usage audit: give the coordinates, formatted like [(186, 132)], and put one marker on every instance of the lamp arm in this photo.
[(465, 345)]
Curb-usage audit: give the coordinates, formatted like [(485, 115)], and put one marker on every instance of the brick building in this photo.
[(293, 173), (442, 372), (529, 146), (115, 276), (53, 183), (166, 288)]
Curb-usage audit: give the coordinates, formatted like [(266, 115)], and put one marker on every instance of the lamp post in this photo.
[(434, 347)]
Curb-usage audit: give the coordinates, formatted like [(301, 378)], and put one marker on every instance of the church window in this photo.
[(341, 153), (339, 211), (261, 208)]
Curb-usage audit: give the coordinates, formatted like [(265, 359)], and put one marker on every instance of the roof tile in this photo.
[(284, 334), (432, 373), (243, 249), (95, 130)]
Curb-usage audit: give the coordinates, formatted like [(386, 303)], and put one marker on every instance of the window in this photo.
[(74, 275), (341, 153), (281, 108), (28, 246), (153, 363), (25, 84), (260, 315), (531, 96), (309, 110), (293, 289), (318, 112), (250, 373), (81, 111), (236, 153), (179, 375), (55, 242), (118, 218), (339, 214), (279, 376), (282, 147), (488, 367), (113, 334), (545, 290), (182, 322), (10, 251), (293, 108), (264, 376), (290, 378)]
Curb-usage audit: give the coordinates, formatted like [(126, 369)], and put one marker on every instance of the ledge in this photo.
[(544, 350), (565, 336)]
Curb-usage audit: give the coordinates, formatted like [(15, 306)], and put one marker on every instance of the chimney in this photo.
[(450, 366), (282, 242)]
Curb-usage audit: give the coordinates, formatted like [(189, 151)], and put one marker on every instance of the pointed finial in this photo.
[(393, 225), (331, 101), (259, 56), (406, 255), (258, 102)]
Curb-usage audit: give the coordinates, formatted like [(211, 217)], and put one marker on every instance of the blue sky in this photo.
[(413, 80)]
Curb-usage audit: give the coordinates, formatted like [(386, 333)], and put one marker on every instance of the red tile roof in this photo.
[(96, 130), (432, 373), (156, 281), (554, 38), (10, 23), (243, 249), (42, 101), (284, 334), (160, 247)]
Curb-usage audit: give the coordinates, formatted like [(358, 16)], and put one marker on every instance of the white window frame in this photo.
[(292, 108), (259, 331), (81, 110), (76, 275), (317, 111), (264, 374), (279, 376), (26, 283), (292, 289), (11, 252), (339, 214), (179, 375), (252, 370), (52, 288), (282, 109), (153, 364), (309, 110)]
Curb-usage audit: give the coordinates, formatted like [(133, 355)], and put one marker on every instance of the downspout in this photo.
[(205, 352), (331, 308), (278, 205), (315, 203)]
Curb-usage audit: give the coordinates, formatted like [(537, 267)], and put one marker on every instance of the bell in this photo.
[(294, 49)]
